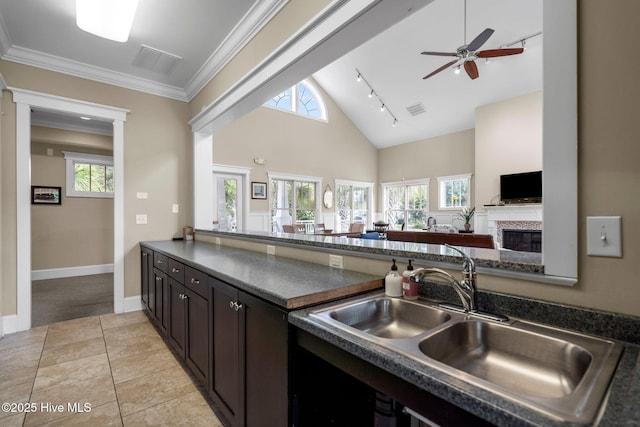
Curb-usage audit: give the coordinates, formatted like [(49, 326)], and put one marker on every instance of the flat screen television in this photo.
[(521, 187)]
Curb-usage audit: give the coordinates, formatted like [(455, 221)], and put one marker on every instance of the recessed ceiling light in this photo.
[(110, 19)]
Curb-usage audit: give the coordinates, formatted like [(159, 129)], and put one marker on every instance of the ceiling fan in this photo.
[(467, 53)]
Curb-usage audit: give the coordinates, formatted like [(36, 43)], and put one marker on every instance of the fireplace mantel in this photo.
[(514, 217)]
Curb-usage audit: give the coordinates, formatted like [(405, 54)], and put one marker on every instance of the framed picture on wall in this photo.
[(258, 190), (42, 195)]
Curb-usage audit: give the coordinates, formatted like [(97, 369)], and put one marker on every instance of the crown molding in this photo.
[(251, 23), (45, 61)]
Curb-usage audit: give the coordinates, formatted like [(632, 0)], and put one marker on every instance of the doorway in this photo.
[(25, 101), (228, 189)]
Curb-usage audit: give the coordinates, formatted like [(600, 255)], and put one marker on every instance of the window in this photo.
[(302, 99), (353, 203), (406, 205), (294, 200), (454, 191), (88, 175)]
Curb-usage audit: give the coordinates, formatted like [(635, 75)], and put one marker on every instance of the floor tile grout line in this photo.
[(113, 382)]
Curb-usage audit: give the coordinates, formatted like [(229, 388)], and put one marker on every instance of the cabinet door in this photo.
[(226, 356), (197, 350), (177, 326), (146, 260), (265, 347), (160, 308)]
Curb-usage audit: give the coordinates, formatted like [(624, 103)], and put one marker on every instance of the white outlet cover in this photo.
[(335, 261), (175, 208), (271, 250), (141, 195), (141, 219), (604, 236)]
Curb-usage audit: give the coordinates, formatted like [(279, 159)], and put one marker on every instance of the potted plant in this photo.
[(466, 214)]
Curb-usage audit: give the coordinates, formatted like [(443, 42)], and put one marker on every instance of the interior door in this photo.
[(228, 189)]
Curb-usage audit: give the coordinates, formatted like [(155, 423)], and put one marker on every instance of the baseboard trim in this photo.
[(58, 273), (9, 324), (132, 304)]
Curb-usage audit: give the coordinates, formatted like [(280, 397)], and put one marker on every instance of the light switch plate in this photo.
[(141, 195), (141, 219), (175, 208), (604, 237)]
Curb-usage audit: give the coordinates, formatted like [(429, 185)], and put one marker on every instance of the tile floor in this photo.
[(116, 365)]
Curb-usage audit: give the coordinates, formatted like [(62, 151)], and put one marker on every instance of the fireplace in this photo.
[(522, 240)]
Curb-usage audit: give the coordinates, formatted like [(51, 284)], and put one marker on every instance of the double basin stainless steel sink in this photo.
[(563, 374)]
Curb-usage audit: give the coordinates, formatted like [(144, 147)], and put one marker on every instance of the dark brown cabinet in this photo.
[(237, 345), (250, 358), (146, 271)]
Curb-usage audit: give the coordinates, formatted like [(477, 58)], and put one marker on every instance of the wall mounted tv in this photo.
[(521, 188)]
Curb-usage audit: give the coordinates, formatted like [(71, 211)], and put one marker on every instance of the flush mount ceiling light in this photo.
[(110, 19)]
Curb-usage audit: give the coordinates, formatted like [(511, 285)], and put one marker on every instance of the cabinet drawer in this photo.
[(160, 262), (176, 270), (197, 281)]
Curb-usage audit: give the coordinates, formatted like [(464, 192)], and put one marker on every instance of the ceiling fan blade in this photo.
[(480, 40), (472, 69), (440, 53), (492, 53), (444, 67)]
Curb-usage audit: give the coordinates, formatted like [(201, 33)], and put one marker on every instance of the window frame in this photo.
[(317, 181), (442, 180), (71, 158), (385, 187), (361, 184), (294, 101)]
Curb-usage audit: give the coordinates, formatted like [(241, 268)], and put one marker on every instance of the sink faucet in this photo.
[(466, 288)]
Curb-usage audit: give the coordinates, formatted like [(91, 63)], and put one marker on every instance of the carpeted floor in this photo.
[(55, 300)]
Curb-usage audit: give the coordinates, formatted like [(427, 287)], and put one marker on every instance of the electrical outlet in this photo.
[(335, 261), (604, 236), (141, 195), (271, 250), (141, 219), (175, 208), (218, 241)]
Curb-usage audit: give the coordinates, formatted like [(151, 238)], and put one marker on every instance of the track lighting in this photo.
[(372, 93)]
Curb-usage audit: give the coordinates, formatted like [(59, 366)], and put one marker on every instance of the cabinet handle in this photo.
[(145, 254), (234, 305), (194, 280), (237, 306), (158, 279), (175, 270), (231, 304), (183, 296), (160, 262)]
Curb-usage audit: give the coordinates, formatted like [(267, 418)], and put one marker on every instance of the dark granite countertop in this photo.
[(621, 408), (523, 262), (285, 282)]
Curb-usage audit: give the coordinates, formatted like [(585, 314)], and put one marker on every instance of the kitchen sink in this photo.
[(561, 373), (390, 317), (521, 361)]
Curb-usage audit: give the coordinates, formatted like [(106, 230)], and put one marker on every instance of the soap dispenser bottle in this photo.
[(393, 282), (409, 288)]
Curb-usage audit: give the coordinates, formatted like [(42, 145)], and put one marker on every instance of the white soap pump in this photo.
[(393, 282)]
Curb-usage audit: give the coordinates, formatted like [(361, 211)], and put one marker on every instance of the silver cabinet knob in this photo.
[(194, 280), (175, 270), (158, 279), (160, 262)]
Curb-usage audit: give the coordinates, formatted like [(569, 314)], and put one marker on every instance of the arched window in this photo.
[(303, 99)]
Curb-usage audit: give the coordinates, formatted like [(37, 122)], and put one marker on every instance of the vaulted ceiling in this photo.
[(176, 47)]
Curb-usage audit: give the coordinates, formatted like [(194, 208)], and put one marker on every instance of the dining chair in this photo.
[(356, 228), (300, 228), (288, 228), (318, 228)]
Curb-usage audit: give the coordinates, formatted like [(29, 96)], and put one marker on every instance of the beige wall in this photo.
[(157, 160), (444, 155), (79, 231), (508, 138), (292, 144)]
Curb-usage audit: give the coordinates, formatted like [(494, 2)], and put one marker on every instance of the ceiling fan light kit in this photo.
[(467, 53), (109, 19)]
